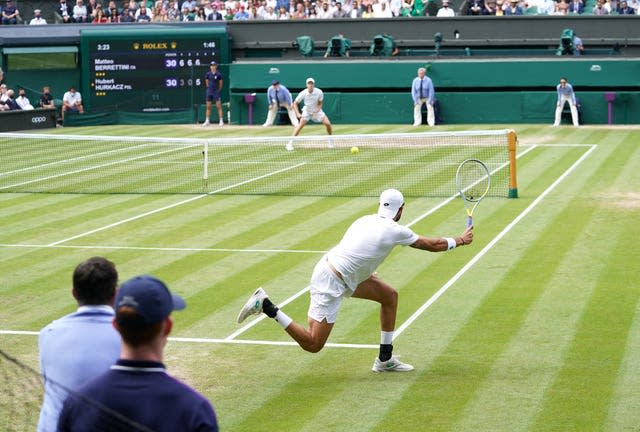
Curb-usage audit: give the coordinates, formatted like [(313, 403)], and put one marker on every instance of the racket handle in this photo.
[(469, 221)]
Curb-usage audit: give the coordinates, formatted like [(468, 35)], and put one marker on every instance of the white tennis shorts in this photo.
[(317, 116), (326, 291)]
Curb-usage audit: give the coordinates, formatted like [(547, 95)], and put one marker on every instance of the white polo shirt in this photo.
[(311, 101), (72, 98), (365, 245)]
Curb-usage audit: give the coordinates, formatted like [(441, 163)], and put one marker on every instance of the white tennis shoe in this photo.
[(253, 306), (206, 123), (289, 146), (391, 365)]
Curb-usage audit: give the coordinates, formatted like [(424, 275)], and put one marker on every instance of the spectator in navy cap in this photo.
[(137, 392)]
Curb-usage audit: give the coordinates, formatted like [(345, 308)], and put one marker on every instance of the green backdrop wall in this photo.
[(469, 91)]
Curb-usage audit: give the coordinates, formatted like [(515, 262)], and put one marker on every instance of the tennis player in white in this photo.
[(348, 270), (312, 110)]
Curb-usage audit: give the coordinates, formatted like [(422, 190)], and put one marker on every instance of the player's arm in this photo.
[(441, 244)]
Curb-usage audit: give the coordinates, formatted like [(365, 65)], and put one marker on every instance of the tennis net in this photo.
[(420, 164)]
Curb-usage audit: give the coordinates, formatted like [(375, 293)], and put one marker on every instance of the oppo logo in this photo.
[(37, 120)]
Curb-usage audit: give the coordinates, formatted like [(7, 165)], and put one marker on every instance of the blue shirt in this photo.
[(73, 350), (280, 95), (213, 81), (422, 89), (142, 392), (567, 91)]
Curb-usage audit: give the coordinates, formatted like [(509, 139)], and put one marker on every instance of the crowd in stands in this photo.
[(98, 12)]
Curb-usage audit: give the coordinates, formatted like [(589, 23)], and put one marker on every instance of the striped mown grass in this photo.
[(538, 330)]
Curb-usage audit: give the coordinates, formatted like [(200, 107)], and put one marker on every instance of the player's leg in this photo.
[(574, 113), (207, 112), (323, 309), (431, 115), (559, 107), (327, 124), (292, 115), (417, 114), (377, 290), (219, 108), (271, 115)]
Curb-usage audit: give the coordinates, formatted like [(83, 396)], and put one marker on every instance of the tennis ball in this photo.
[(354, 150)]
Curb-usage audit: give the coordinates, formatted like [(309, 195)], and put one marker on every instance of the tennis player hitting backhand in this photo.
[(312, 110), (348, 270)]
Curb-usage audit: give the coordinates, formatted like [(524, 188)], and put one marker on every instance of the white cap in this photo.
[(310, 80), (390, 202)]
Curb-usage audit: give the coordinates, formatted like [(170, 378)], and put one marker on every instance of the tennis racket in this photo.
[(473, 181)]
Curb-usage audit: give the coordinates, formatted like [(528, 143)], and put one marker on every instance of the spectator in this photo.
[(513, 8), (137, 386), (625, 9), (1, 76), (173, 13), (383, 11), (395, 6), (271, 14), (499, 8), (368, 12), (546, 7), (100, 17), (299, 13), (601, 8), (566, 95), (215, 14), (422, 92), (279, 96), (634, 4), (474, 7), (576, 7), (80, 13), (324, 12), (445, 10), (23, 101), (340, 12), (10, 13), (491, 7), (46, 99), (10, 102), (80, 346), (113, 13), (241, 15), (189, 4), (160, 13), (37, 18), (72, 102), (64, 12), (3, 98), (127, 15), (562, 8), (142, 16)]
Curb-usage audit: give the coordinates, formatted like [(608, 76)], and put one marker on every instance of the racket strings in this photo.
[(473, 181)]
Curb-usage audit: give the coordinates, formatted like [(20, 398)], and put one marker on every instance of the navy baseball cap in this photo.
[(214, 63), (149, 297), (274, 82)]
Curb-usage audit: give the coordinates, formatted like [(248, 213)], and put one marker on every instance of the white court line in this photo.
[(162, 249), (67, 173), (219, 341), (175, 204), (34, 167), (490, 245)]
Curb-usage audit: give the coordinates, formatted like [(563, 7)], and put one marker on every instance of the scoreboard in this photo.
[(150, 69)]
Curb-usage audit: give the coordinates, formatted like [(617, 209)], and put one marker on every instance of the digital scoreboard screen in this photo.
[(149, 70)]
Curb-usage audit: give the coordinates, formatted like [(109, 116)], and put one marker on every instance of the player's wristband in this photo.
[(451, 243)]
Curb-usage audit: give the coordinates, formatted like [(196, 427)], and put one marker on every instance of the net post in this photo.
[(513, 180)]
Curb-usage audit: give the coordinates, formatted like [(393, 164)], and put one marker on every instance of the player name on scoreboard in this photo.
[(149, 69)]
